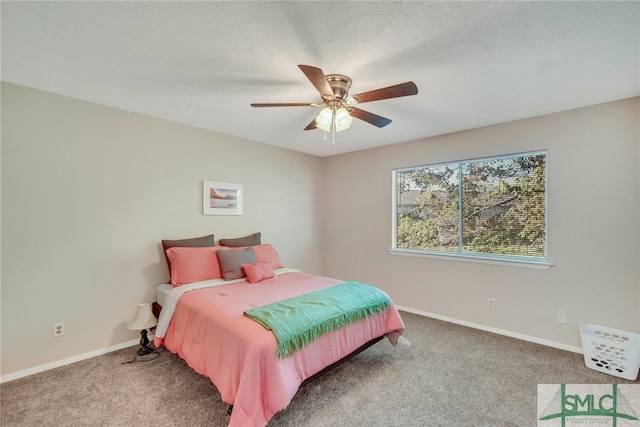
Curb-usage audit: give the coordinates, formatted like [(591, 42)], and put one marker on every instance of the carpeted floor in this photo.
[(450, 376)]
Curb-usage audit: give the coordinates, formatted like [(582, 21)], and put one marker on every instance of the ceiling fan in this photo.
[(339, 108)]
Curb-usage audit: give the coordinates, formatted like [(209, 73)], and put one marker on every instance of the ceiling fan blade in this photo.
[(317, 78), (287, 104), (395, 91), (368, 117), (312, 125)]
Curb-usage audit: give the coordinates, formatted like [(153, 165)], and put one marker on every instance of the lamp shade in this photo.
[(143, 319)]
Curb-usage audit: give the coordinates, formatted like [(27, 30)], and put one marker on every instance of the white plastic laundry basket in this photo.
[(610, 350)]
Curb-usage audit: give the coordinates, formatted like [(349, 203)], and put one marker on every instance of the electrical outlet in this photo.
[(491, 303), (58, 329), (561, 317)]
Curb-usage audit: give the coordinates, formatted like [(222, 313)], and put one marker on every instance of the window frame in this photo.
[(459, 255)]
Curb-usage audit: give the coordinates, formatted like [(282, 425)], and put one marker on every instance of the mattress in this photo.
[(161, 293)]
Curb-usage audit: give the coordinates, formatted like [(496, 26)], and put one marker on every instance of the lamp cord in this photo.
[(156, 353)]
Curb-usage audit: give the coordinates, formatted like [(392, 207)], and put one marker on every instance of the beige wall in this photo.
[(88, 192), (594, 211)]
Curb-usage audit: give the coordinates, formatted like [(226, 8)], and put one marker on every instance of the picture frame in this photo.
[(222, 198)]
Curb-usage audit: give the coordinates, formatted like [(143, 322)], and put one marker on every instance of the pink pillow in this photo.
[(258, 271), (267, 253), (190, 265)]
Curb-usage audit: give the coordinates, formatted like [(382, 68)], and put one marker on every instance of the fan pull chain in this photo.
[(333, 127), (333, 130)]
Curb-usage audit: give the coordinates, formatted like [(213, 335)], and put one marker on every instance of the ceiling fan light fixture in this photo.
[(342, 119), (324, 119)]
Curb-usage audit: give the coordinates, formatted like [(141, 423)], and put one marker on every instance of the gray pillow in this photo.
[(231, 261), (250, 240)]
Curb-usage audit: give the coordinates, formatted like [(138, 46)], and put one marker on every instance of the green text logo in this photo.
[(613, 405)]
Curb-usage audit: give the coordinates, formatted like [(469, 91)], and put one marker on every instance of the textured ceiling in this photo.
[(203, 63)]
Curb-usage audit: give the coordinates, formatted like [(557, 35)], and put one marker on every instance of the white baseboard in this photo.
[(69, 360), (73, 359), (522, 337)]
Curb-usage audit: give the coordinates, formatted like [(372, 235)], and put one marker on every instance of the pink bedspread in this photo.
[(209, 331)]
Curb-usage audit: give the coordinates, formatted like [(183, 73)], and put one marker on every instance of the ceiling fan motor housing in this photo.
[(340, 85)]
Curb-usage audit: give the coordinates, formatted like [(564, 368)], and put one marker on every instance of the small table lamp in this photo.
[(143, 320)]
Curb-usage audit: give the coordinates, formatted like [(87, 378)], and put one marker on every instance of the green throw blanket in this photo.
[(300, 320)]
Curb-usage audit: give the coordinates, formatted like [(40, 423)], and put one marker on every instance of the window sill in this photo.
[(539, 265)]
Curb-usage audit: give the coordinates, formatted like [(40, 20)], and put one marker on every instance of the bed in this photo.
[(206, 322)]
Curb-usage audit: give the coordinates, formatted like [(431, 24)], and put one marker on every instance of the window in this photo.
[(487, 208)]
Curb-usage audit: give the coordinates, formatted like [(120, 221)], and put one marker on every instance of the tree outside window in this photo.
[(484, 207)]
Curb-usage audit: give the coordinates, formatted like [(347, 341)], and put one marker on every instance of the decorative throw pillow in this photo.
[(231, 261), (251, 240), (267, 253), (193, 264), (258, 271), (204, 241)]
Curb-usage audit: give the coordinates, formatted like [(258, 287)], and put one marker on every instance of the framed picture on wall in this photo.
[(221, 198)]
